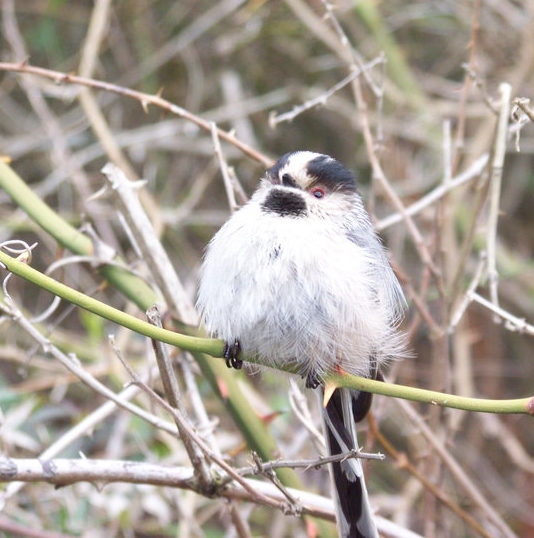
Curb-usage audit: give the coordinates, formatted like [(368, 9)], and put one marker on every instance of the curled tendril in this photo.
[(21, 250)]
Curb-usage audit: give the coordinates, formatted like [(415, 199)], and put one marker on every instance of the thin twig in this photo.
[(513, 323), (474, 170), (299, 405), (211, 454), (522, 103), (144, 99), (172, 392), (463, 481), (467, 298), (271, 475), (317, 463), (125, 196), (223, 165), (499, 152), (320, 100), (404, 463), (88, 61), (466, 88)]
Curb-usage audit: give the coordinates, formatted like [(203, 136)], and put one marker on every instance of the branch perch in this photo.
[(215, 349)]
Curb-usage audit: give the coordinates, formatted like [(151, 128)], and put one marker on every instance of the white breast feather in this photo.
[(293, 290)]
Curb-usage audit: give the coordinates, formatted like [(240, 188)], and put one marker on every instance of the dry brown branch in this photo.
[(144, 99)]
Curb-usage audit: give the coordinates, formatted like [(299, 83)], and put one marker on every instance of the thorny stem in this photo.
[(144, 98)]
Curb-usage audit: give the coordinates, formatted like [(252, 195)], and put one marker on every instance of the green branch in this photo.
[(480, 405), (182, 341), (215, 348)]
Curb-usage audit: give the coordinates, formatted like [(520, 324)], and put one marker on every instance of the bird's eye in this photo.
[(318, 192)]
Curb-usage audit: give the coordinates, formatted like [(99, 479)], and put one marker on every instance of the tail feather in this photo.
[(354, 514)]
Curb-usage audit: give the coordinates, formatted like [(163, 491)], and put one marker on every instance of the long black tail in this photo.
[(354, 515)]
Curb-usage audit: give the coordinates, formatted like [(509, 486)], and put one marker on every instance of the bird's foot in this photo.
[(312, 380), (231, 352)]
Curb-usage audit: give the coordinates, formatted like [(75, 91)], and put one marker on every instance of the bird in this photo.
[(298, 279)]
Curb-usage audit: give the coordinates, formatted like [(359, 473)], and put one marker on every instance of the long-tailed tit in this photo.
[(298, 277)]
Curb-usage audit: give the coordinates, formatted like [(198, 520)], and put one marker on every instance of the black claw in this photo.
[(312, 380), (235, 363), (231, 352)]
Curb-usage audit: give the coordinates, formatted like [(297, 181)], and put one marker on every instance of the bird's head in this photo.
[(303, 184)]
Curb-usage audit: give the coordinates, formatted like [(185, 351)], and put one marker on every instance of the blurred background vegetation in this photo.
[(431, 105)]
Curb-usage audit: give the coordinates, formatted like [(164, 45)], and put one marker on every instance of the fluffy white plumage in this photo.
[(314, 289)]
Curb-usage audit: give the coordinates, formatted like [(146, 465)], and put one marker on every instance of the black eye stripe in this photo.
[(288, 181), (331, 173)]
